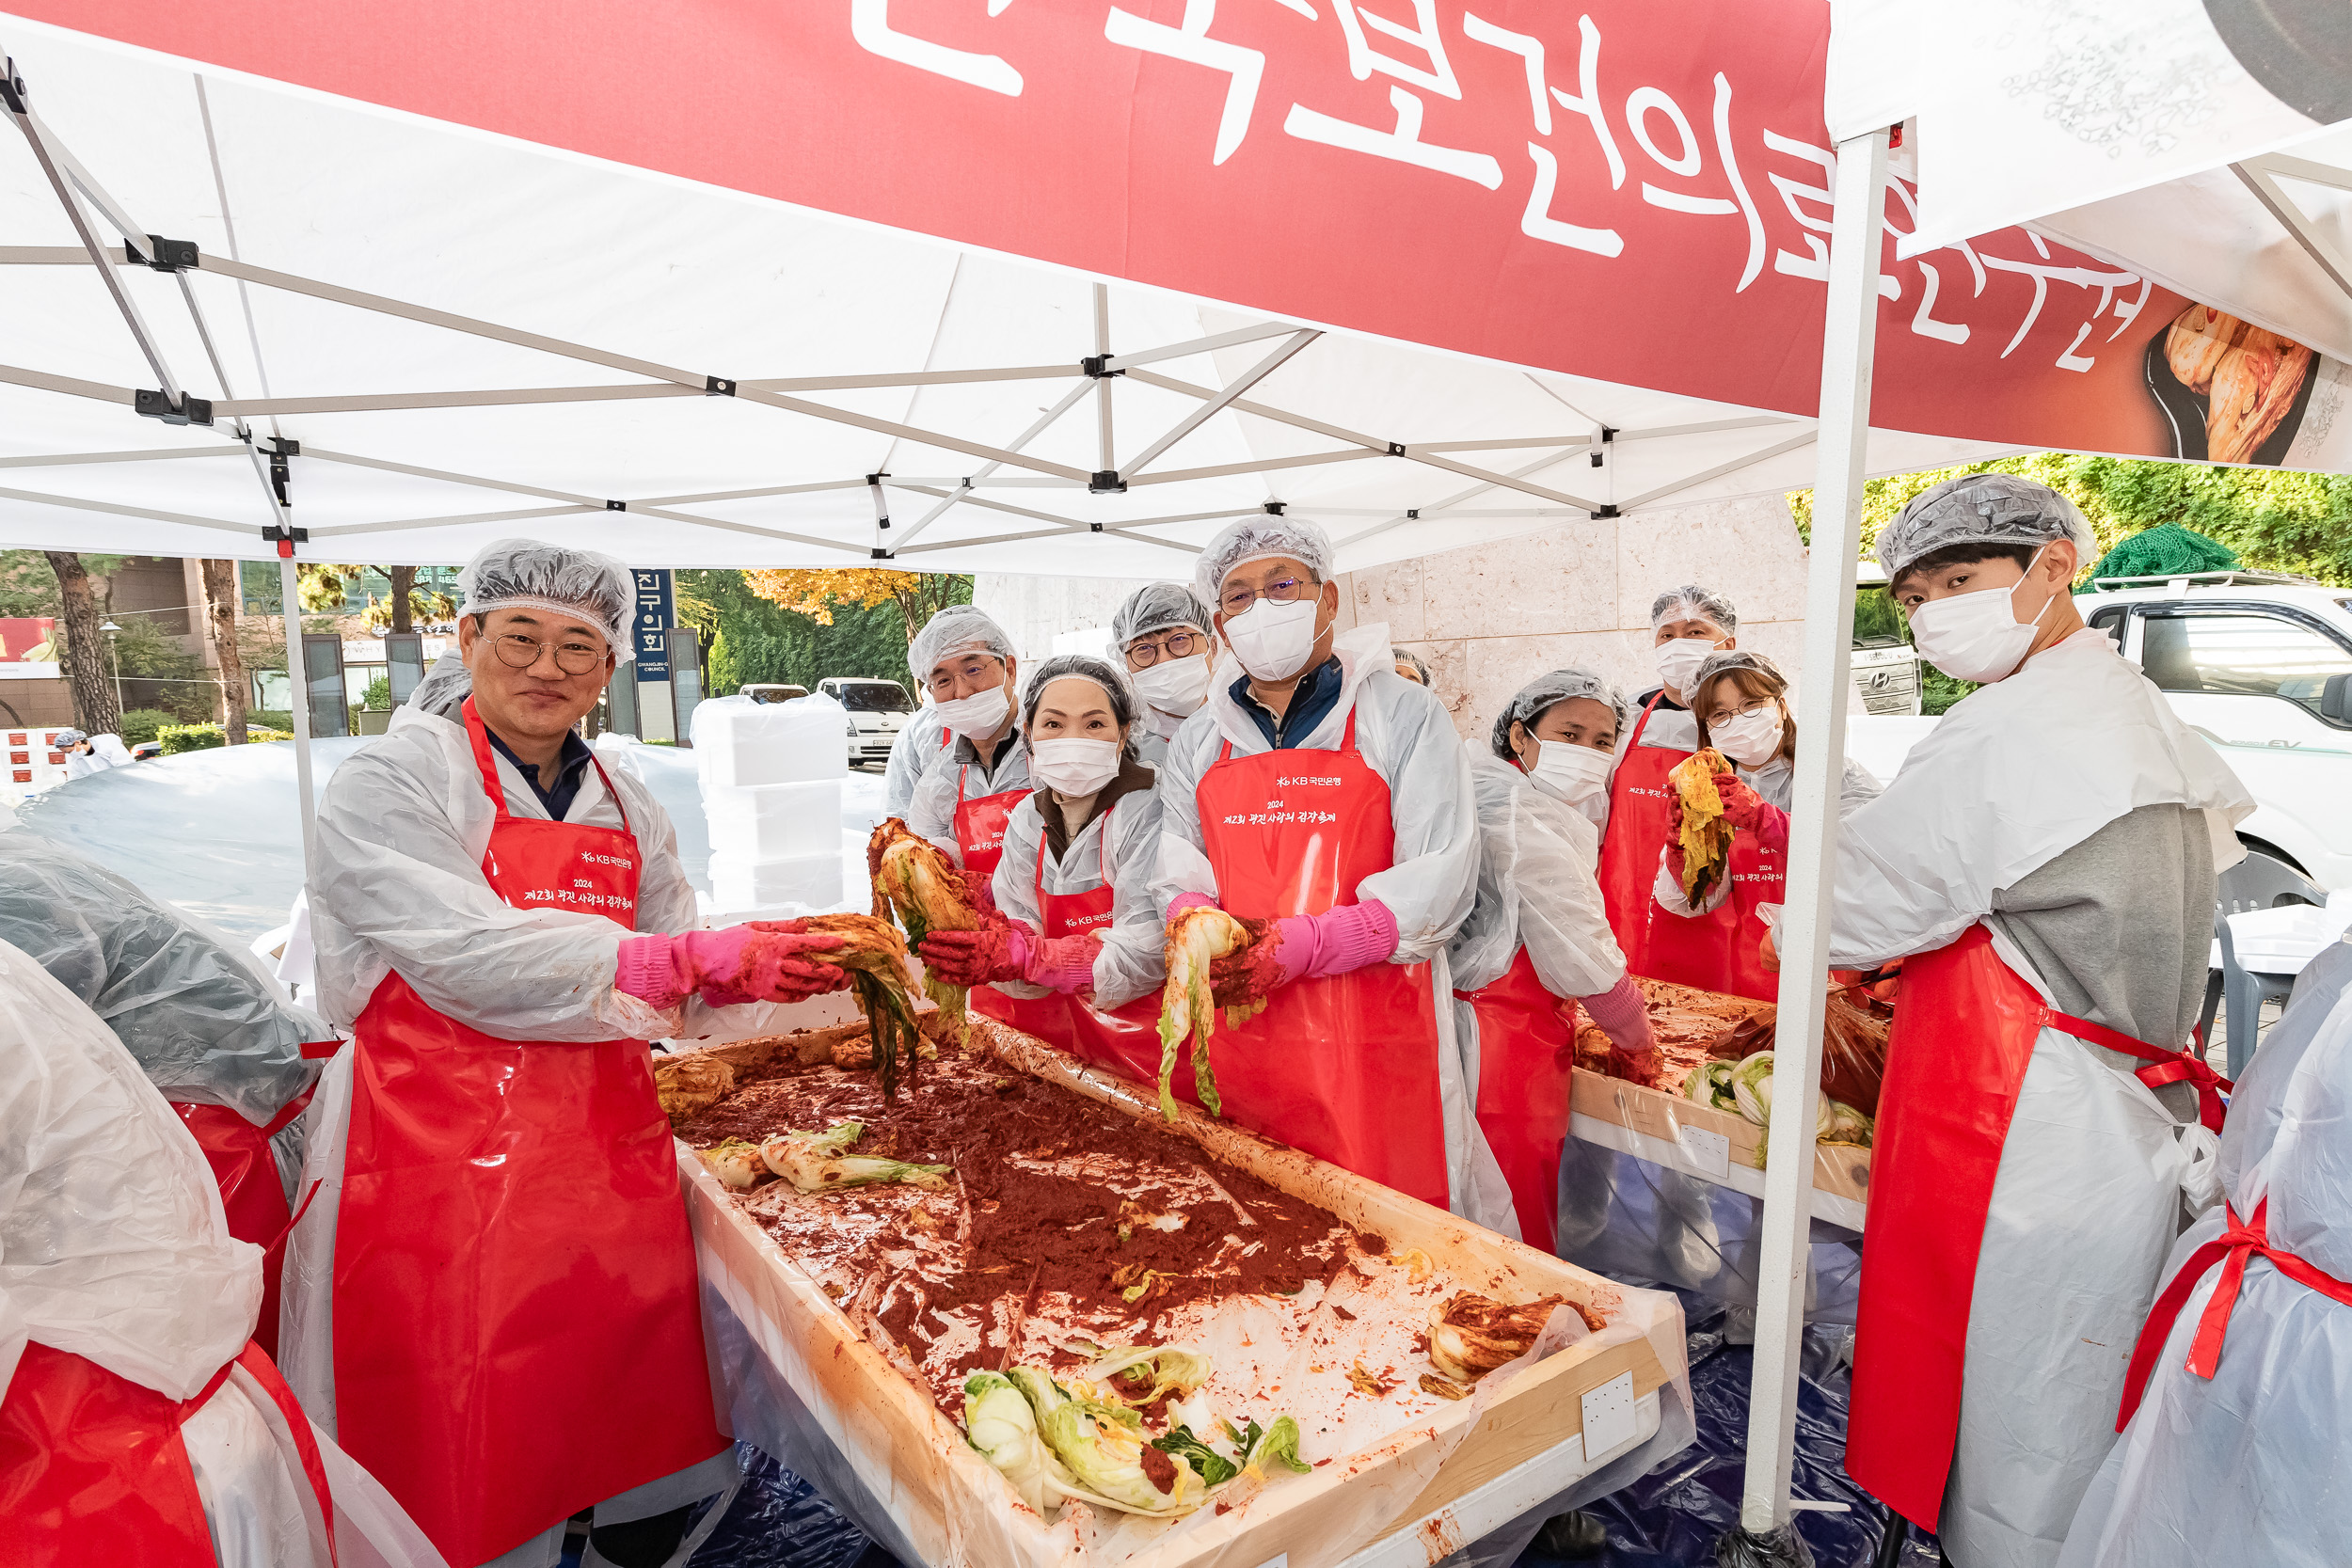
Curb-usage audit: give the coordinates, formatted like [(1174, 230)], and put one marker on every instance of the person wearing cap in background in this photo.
[(1740, 702), (1320, 792), (2045, 864), (1686, 625), (966, 663), (492, 1300), (1412, 667), (1163, 631), (1075, 937), (1538, 941)]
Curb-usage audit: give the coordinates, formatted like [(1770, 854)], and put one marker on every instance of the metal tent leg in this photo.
[(298, 689)]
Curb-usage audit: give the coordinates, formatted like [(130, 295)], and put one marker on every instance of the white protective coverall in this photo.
[(2087, 1195), (398, 879), (105, 751), (957, 775), (2248, 1466), (1407, 739), (114, 1248), (920, 740), (1131, 962)]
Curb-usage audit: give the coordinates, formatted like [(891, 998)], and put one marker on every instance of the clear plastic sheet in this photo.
[(1642, 1223), (778, 1520), (199, 1014)]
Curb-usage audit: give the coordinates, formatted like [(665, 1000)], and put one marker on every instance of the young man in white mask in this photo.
[(2045, 864), (966, 662), (1741, 701), (1686, 625), (1537, 941), (1163, 631), (1076, 940), (1320, 792)]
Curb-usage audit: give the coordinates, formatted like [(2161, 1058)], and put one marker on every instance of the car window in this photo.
[(876, 697), (2110, 620), (2241, 654)]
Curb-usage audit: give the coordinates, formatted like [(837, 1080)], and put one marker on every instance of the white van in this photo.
[(2257, 662), (878, 710)]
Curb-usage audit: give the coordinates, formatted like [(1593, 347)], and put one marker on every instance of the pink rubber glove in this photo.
[(1010, 951), (1745, 808), (726, 967), (981, 885), (1064, 964), (1623, 1015), (1312, 947), (1184, 901)]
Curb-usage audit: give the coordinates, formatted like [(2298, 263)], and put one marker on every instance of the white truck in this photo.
[(2257, 662), (878, 710)]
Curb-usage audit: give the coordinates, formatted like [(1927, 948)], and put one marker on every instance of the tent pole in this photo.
[(1847, 337), (297, 680)]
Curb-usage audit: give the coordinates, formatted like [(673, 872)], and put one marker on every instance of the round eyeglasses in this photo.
[(518, 652), (1179, 644), (1236, 599)]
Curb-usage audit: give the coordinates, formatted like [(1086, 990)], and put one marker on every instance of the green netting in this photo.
[(2164, 550)]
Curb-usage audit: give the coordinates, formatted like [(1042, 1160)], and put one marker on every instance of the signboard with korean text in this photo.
[(656, 612), (1633, 191)]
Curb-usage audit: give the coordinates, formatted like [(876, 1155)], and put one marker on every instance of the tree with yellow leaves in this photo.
[(814, 594)]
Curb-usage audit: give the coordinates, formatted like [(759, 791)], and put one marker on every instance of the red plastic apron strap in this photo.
[(320, 1051), (479, 734), (295, 1107), (2231, 1249), (2163, 1067)]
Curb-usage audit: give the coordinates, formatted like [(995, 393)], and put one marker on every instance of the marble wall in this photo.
[(1490, 618)]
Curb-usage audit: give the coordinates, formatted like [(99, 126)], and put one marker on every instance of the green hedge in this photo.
[(270, 719), (139, 724), (201, 737)]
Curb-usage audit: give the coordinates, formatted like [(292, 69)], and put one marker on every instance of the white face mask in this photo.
[(980, 714), (1275, 638), (1569, 772), (1679, 659), (1748, 738), (1177, 685), (1073, 767), (1976, 635)]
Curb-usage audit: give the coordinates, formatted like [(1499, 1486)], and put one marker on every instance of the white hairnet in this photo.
[(1406, 656), (1262, 539), (1734, 659), (960, 629), (518, 574), (1084, 667), (1982, 509), (1691, 602), (1540, 694), (70, 737), (1159, 607)]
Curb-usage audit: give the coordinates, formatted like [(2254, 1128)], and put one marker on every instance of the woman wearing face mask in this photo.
[(1077, 939), (1329, 797), (1538, 941), (1742, 703), (1686, 625), (965, 660), (1163, 632), (2044, 864)]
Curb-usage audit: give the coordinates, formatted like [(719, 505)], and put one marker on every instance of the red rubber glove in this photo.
[(760, 963), (1308, 947), (981, 886), (1745, 808), (975, 957), (1250, 972)]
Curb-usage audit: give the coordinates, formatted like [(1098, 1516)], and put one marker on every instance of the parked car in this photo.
[(772, 692), (878, 710), (2257, 662)]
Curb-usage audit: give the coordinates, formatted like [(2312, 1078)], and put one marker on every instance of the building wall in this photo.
[(1490, 618)]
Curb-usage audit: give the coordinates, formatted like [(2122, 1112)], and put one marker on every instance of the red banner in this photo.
[(1630, 190)]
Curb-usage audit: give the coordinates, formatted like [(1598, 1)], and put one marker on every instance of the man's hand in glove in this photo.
[(1622, 1013), (1745, 808), (1006, 950), (1305, 947), (764, 962), (981, 887)]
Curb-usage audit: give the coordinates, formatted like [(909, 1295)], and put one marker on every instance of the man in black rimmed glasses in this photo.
[(1163, 633)]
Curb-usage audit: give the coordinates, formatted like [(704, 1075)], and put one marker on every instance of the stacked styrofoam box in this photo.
[(35, 763), (770, 775)]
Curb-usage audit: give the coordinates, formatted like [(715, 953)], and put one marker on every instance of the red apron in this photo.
[(518, 1334), (250, 1191), (1526, 1047), (1126, 1040), (93, 1471), (1343, 1068), (979, 826), (1955, 1064), (1639, 815)]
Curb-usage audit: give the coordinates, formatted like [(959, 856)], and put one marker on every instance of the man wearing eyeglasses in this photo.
[(1320, 793), (1163, 632), (492, 1298)]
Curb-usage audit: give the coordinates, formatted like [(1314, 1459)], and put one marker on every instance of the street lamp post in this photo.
[(114, 654)]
